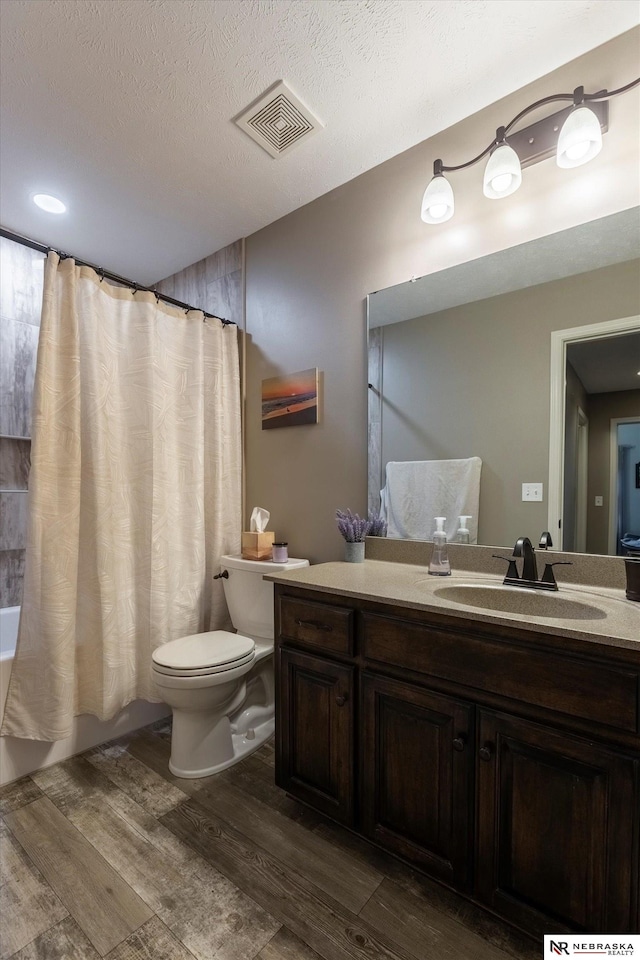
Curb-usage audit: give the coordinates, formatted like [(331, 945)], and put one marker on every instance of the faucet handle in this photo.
[(545, 541), (549, 577), (512, 569)]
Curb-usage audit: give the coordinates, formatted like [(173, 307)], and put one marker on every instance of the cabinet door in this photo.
[(315, 735), (555, 833), (417, 776)]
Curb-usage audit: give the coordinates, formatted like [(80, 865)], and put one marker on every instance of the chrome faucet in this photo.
[(524, 548)]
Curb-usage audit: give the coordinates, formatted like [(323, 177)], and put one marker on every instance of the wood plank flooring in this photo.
[(107, 855)]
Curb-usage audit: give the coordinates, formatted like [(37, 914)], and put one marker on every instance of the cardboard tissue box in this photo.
[(257, 546), (256, 542)]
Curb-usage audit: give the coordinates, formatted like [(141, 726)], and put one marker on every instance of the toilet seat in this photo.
[(203, 654)]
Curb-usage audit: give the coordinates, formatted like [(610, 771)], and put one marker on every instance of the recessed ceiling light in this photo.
[(48, 203)]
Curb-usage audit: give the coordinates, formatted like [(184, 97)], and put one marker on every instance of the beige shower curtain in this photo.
[(134, 493)]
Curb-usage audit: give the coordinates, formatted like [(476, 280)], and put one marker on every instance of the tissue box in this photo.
[(257, 546)]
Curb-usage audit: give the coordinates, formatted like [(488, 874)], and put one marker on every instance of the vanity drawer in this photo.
[(604, 694), (317, 625)]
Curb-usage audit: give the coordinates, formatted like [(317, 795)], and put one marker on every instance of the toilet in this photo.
[(220, 685)]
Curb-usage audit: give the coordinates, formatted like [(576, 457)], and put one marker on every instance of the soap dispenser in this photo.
[(439, 565), (462, 536)]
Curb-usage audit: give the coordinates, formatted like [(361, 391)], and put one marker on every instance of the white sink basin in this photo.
[(521, 601)]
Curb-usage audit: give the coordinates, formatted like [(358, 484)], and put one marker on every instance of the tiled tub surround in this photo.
[(14, 475), (21, 279), (15, 460), (214, 284)]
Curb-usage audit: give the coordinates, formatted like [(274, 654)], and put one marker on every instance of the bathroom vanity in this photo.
[(498, 750)]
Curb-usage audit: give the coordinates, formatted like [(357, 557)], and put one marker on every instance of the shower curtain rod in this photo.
[(107, 275)]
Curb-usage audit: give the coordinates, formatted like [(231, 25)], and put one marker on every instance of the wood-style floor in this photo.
[(109, 855)]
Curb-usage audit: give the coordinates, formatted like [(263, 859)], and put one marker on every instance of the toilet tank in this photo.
[(249, 597)]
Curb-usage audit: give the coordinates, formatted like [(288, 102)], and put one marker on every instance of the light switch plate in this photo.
[(532, 491), (599, 501)]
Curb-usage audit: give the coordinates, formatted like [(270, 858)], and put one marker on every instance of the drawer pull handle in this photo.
[(485, 753), (342, 699), (458, 744), (315, 624)]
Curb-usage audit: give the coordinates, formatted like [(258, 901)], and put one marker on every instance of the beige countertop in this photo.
[(603, 615)]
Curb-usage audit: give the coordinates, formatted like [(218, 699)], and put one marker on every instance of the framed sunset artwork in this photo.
[(290, 401)]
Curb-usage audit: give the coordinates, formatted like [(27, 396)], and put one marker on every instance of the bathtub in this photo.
[(21, 757), (9, 619)]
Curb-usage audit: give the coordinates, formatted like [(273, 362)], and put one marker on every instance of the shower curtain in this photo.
[(134, 493)]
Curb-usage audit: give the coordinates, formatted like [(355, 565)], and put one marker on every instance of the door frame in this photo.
[(582, 480), (613, 479), (557, 407)]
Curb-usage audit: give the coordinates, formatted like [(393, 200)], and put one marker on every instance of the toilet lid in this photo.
[(205, 652)]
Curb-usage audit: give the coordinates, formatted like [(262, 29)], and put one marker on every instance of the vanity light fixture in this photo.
[(574, 135), (437, 203), (503, 173), (581, 137)]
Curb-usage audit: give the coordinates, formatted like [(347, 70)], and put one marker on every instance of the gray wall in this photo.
[(21, 279), (308, 274), (475, 381)]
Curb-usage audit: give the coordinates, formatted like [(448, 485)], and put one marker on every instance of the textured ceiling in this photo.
[(124, 108), (607, 365)]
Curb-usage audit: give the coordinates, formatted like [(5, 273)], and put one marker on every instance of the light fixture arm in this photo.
[(577, 97)]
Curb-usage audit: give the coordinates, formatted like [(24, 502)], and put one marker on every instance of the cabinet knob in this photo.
[(342, 699), (485, 753), (458, 744)]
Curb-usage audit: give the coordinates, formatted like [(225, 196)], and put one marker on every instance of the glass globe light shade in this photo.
[(580, 139), (437, 202), (502, 174)]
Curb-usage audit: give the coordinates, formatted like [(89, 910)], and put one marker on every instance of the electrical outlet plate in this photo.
[(532, 492)]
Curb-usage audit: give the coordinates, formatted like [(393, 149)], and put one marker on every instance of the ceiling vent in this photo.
[(278, 121)]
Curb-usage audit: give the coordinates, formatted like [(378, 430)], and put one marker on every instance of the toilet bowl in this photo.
[(220, 685)]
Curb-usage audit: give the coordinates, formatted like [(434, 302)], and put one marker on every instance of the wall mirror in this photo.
[(460, 365)]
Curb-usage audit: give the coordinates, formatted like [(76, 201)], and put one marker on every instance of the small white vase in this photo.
[(354, 552)]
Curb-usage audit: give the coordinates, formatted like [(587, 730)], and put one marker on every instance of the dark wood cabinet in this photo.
[(555, 828), (316, 711), (417, 775), (503, 762)]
